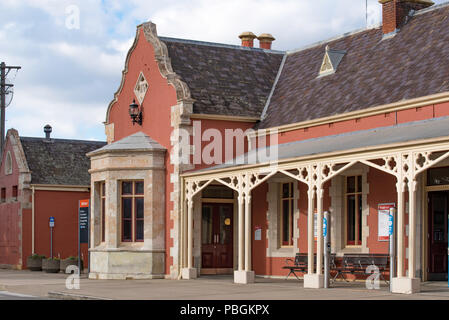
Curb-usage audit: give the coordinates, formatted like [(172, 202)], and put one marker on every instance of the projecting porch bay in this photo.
[(275, 204)]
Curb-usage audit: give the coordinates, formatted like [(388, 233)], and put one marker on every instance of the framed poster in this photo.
[(383, 217)]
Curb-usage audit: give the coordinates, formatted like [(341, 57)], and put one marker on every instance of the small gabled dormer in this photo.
[(331, 60)]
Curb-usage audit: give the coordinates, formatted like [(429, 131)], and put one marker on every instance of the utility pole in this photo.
[(4, 87)]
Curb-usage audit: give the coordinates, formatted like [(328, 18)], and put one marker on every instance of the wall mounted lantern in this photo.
[(135, 112)]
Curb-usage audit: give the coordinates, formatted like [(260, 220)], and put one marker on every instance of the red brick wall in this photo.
[(366, 123), (394, 14), (382, 187), (9, 214)]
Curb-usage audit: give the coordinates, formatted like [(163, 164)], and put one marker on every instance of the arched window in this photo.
[(8, 164)]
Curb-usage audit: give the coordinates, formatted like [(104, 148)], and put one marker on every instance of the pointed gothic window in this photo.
[(8, 164)]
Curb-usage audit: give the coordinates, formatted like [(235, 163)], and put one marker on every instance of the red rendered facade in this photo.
[(157, 124), (10, 214), (16, 234)]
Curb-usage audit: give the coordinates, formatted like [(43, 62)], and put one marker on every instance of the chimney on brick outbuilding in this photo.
[(395, 13), (47, 131), (248, 39), (265, 41)]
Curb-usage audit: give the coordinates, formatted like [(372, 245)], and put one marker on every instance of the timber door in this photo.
[(217, 238), (437, 235)]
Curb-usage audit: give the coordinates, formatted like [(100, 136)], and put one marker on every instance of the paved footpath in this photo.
[(43, 285)]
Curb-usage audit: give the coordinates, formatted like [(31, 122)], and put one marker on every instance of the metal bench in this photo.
[(357, 264), (352, 264), (300, 264)]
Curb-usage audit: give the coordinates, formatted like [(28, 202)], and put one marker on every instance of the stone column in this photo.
[(112, 231), (190, 272)]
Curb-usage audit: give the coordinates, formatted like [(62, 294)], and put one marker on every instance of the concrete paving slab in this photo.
[(204, 288)]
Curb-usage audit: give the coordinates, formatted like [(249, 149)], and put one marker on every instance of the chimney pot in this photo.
[(395, 12), (265, 41), (47, 130), (247, 39)]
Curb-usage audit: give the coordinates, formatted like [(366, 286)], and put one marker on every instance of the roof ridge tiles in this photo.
[(431, 8), (220, 45), (61, 140)]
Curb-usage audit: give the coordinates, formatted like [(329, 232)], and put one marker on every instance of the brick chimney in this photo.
[(396, 12), (265, 41), (248, 39)]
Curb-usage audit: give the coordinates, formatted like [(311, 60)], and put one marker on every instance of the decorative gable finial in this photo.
[(331, 60)]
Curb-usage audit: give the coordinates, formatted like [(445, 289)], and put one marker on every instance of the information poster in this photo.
[(383, 213), (84, 221), (315, 225), (258, 233)]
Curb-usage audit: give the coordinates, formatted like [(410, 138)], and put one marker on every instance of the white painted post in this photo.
[(412, 228), (319, 258), (190, 234), (400, 229), (248, 237), (241, 232), (310, 235)]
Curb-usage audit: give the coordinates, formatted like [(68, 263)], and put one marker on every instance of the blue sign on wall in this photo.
[(390, 225), (324, 227)]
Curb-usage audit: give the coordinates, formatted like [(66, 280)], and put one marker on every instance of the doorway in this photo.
[(217, 238), (438, 236)]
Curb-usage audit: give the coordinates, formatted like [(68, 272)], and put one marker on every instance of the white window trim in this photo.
[(338, 218), (274, 249)]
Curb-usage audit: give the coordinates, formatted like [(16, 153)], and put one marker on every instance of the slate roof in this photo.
[(60, 161), (401, 133), (136, 142), (374, 72), (225, 79)]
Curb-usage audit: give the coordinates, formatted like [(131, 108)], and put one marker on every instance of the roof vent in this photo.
[(47, 130), (331, 60)]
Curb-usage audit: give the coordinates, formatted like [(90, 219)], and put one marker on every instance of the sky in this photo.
[(72, 52)]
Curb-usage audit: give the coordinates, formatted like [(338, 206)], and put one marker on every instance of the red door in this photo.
[(438, 244), (217, 237)]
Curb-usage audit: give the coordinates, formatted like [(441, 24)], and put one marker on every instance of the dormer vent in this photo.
[(331, 60)]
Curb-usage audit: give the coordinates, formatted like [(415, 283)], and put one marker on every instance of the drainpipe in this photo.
[(32, 220)]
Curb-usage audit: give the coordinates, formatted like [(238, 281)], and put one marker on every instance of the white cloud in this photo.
[(70, 76)]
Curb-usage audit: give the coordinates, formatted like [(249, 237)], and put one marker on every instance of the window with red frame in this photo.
[(3, 195), (132, 193), (353, 200)]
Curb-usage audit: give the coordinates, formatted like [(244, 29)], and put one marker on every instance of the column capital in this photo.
[(400, 186), (412, 185), (319, 191), (190, 203), (311, 191)]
